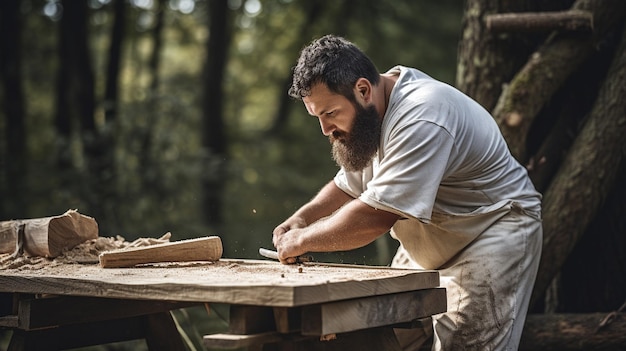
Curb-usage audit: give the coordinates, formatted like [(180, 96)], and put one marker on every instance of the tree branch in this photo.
[(572, 20)]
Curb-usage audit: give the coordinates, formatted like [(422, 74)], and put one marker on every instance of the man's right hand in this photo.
[(284, 239)]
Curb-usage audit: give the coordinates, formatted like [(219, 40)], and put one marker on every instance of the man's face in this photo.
[(352, 129)]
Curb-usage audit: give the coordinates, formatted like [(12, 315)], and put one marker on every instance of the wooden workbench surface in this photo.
[(254, 282)]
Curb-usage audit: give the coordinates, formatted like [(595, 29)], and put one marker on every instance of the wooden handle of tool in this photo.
[(201, 249)]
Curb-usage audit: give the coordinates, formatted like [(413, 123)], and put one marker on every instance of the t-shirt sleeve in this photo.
[(409, 172)]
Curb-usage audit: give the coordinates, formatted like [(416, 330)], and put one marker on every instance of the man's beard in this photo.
[(355, 150)]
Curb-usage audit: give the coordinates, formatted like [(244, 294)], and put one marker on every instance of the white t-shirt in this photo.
[(443, 166)]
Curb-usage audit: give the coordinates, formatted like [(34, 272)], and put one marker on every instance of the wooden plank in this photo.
[(234, 341), (247, 282), (370, 312), (56, 311), (375, 339), (199, 249)]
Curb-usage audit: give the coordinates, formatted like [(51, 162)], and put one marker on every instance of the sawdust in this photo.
[(85, 253)]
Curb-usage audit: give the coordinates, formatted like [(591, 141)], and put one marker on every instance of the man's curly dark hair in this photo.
[(335, 62)]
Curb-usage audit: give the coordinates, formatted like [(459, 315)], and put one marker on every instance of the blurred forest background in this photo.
[(157, 116), (172, 115)]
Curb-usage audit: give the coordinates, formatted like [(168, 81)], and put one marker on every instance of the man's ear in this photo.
[(363, 90)]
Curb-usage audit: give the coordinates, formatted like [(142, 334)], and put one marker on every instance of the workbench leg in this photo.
[(162, 334)]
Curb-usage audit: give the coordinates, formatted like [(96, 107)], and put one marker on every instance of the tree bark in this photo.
[(13, 155), (537, 82), (486, 60), (573, 332), (587, 175), (557, 124)]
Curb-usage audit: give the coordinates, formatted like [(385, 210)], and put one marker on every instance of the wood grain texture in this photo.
[(48, 236), (252, 282), (371, 312)]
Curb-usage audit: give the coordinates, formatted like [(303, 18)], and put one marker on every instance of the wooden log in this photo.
[(572, 20), (47, 236), (573, 332)]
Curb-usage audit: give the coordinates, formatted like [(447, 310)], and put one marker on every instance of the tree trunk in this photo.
[(213, 129), (157, 39), (542, 76), (75, 93), (314, 10), (13, 155), (113, 67), (587, 175), (557, 125), (573, 332), (151, 179)]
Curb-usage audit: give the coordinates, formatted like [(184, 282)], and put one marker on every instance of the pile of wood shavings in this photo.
[(85, 253)]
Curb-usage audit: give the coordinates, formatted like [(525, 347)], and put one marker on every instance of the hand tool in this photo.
[(200, 249), (274, 255)]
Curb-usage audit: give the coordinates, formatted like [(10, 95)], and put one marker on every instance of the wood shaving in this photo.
[(85, 253)]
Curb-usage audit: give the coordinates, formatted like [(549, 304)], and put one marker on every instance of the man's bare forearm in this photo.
[(329, 199), (354, 225)]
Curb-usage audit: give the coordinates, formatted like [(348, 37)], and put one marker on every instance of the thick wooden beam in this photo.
[(572, 20), (376, 311)]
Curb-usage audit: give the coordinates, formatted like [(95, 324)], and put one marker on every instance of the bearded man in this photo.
[(423, 161)]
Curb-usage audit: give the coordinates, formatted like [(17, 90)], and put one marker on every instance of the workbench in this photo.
[(272, 306)]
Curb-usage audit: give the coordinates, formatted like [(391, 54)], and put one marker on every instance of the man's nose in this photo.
[(327, 128)]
